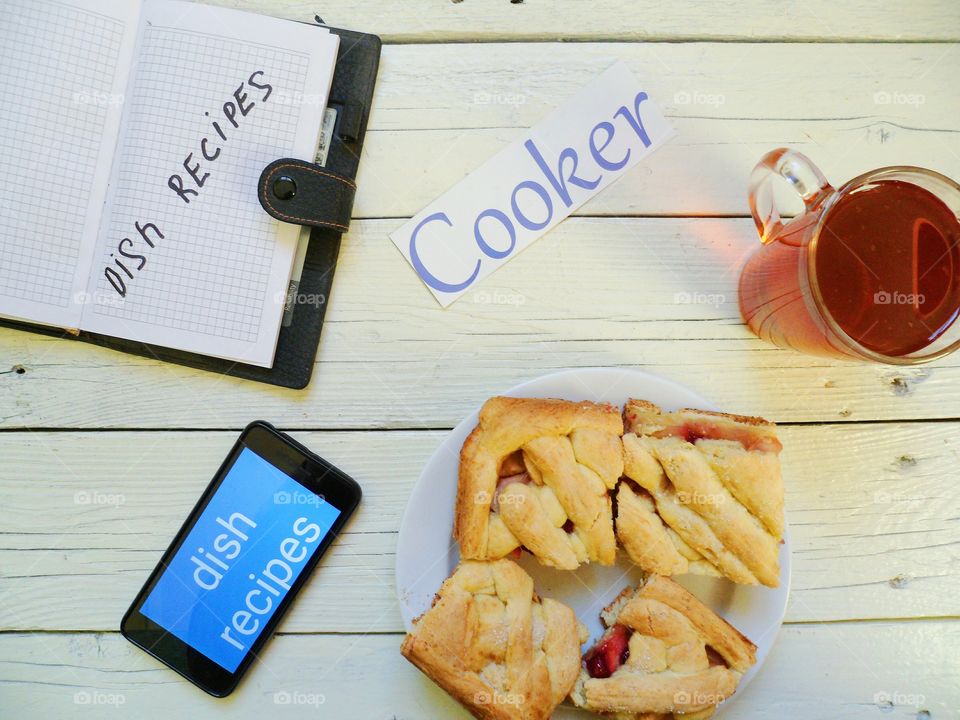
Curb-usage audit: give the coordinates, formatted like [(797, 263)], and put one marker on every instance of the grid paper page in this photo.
[(64, 65), (215, 283)]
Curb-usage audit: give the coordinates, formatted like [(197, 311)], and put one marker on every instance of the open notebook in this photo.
[(134, 137)]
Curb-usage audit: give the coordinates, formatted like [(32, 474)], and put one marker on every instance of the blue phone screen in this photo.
[(239, 560)]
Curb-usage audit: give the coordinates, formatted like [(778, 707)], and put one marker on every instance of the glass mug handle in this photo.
[(795, 168)]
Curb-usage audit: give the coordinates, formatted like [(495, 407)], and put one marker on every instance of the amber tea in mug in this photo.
[(870, 270)]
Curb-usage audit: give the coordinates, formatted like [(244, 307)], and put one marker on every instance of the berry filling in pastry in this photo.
[(694, 430), (665, 655), (606, 657), (521, 478)]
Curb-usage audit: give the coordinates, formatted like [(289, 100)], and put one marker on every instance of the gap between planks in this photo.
[(397, 633), (419, 428)]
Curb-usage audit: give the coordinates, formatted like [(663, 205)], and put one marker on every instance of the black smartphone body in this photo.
[(241, 556)]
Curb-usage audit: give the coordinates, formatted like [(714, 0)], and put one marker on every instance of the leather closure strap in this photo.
[(349, 120), (296, 191)]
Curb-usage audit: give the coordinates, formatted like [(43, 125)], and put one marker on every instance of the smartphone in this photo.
[(244, 552)]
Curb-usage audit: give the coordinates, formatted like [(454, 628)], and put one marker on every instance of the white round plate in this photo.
[(427, 553)]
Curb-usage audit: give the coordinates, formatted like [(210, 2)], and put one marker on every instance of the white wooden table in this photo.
[(102, 454)]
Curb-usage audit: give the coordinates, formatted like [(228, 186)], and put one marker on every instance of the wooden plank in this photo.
[(703, 171), (452, 20), (848, 670), (88, 515), (852, 108), (656, 294), (514, 85)]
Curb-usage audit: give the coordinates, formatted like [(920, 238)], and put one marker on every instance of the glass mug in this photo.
[(868, 271)]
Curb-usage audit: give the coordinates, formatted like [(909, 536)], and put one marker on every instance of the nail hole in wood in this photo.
[(900, 385), (905, 461), (899, 582)]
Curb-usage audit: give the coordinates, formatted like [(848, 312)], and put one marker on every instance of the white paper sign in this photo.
[(519, 194)]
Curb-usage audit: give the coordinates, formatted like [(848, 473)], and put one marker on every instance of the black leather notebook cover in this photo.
[(351, 94)]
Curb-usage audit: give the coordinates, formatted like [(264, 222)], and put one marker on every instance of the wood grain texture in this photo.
[(703, 171), (453, 20), (670, 308), (850, 107), (872, 505), (874, 527), (856, 671)]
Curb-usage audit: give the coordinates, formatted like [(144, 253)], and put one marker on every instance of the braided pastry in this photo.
[(703, 494), (494, 646), (664, 655), (537, 473)]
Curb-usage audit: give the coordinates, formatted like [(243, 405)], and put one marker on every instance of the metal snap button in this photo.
[(284, 187)]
